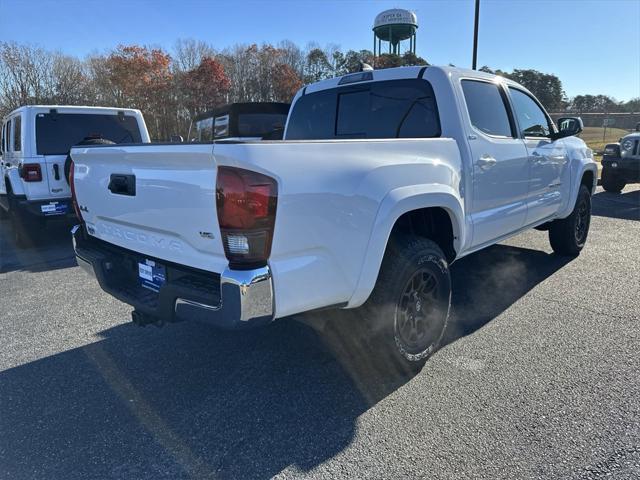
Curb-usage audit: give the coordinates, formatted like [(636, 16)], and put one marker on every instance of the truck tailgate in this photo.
[(161, 202)]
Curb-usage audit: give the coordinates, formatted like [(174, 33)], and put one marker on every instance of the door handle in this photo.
[(486, 161), (122, 184)]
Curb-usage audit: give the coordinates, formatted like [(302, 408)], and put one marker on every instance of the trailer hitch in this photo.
[(143, 319)]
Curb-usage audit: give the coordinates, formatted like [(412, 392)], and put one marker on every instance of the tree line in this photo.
[(171, 87), (548, 89)]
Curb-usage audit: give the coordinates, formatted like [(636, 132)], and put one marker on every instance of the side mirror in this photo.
[(176, 139), (568, 126)]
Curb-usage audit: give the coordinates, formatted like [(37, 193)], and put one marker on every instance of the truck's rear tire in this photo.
[(611, 182), (569, 235), (409, 307)]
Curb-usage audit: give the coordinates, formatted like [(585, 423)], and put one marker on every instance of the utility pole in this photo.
[(475, 35)]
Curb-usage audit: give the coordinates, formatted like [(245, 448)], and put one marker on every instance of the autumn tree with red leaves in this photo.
[(204, 87), (138, 77), (286, 82)]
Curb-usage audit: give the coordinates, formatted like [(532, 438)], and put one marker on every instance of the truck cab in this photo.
[(34, 163)]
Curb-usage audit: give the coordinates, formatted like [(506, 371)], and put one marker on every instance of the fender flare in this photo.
[(395, 204), (575, 185)]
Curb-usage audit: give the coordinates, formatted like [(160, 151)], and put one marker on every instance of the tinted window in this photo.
[(204, 130), (313, 117), (259, 124), (7, 139), (353, 113), (531, 118), (56, 133), (486, 107), (391, 109), (221, 126), (17, 134)]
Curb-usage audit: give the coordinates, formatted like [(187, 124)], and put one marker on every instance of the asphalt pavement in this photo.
[(539, 376)]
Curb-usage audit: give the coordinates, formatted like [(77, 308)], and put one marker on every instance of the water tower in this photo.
[(394, 26)]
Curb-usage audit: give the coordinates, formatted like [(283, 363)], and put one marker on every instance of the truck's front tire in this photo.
[(611, 182), (409, 307), (569, 235)]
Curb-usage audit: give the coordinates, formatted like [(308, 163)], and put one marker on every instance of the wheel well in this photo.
[(587, 180), (433, 223)]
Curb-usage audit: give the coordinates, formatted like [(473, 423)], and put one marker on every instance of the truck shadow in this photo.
[(190, 401), (48, 249), (486, 283), (624, 206)]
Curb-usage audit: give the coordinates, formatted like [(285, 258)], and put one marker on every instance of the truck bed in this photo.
[(330, 196)]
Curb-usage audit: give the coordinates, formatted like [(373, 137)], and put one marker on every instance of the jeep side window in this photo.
[(7, 139), (17, 134), (531, 118), (487, 108)]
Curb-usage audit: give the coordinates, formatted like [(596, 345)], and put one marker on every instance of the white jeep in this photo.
[(34, 161)]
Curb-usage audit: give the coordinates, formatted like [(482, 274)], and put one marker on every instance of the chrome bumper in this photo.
[(246, 296)]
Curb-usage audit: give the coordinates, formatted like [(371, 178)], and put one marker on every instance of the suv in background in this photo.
[(241, 121), (34, 163), (621, 162)]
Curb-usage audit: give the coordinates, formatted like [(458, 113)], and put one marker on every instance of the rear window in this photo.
[(259, 124), (390, 109), (56, 133)]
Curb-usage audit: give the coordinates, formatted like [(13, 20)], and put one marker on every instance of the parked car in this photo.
[(241, 121), (35, 143), (384, 179), (621, 162)]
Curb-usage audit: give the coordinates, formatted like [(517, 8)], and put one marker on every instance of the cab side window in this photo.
[(487, 108), (531, 118), (17, 133)]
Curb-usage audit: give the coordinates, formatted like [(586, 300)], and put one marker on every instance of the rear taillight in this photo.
[(74, 202), (31, 172), (246, 204)]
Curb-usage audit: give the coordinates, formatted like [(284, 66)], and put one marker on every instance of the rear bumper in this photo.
[(50, 209), (233, 299)]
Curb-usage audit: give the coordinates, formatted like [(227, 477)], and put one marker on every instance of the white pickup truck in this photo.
[(383, 179)]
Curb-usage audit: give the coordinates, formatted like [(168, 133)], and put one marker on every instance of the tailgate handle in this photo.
[(122, 184), (56, 173)]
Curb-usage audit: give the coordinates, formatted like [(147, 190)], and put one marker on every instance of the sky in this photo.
[(593, 46)]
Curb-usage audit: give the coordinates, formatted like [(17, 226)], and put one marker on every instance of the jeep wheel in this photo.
[(409, 307), (569, 235), (611, 182)]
